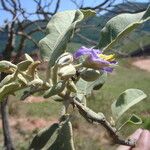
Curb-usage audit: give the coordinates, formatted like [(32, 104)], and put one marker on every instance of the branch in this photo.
[(31, 92), (28, 37), (75, 3), (46, 13), (57, 6), (6, 7), (91, 116), (98, 6)]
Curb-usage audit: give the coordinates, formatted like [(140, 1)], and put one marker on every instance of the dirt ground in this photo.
[(143, 64)]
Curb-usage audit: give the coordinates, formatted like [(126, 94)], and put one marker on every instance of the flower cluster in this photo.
[(95, 59)]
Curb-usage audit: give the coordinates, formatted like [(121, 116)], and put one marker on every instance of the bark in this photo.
[(8, 144)]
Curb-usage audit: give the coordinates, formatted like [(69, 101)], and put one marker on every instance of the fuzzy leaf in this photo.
[(134, 119), (45, 135), (119, 26), (126, 100), (64, 139), (82, 98), (56, 137), (23, 66), (32, 68), (59, 31)]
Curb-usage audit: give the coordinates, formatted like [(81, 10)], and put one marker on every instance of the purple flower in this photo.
[(95, 59)]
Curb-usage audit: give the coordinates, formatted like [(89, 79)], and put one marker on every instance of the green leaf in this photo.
[(32, 68), (56, 137), (86, 88), (82, 98), (64, 140), (23, 66), (45, 135), (99, 82), (119, 26), (59, 31), (134, 119), (126, 100)]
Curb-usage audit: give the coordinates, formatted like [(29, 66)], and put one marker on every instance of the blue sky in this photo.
[(29, 5)]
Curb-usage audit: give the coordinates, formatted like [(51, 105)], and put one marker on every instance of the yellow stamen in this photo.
[(107, 57)]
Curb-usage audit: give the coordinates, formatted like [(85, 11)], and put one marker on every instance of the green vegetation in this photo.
[(87, 137), (125, 76)]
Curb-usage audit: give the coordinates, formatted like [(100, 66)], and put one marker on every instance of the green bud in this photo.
[(8, 79), (6, 66), (9, 89), (64, 59), (90, 75), (32, 68), (36, 82), (67, 71), (56, 89)]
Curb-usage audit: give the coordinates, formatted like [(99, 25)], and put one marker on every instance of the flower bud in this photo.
[(64, 59), (67, 71), (8, 67), (90, 75)]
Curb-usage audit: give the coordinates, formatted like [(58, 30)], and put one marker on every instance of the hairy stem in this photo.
[(91, 116)]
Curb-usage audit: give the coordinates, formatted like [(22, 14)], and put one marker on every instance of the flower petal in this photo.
[(95, 59), (86, 51), (107, 69)]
